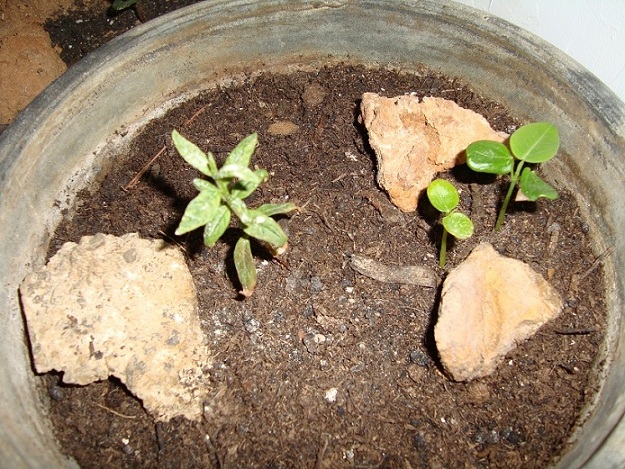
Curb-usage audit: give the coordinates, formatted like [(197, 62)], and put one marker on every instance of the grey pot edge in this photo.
[(599, 115)]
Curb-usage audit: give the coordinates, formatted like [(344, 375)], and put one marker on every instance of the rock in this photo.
[(283, 128), (489, 304), (414, 140), (122, 307)]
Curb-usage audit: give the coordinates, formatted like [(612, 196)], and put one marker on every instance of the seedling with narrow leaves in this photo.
[(223, 196), (445, 198), (532, 143)]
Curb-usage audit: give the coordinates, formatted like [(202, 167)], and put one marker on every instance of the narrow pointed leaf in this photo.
[(199, 212), (243, 189), (266, 229), (486, 156), (458, 225), (535, 143), (203, 185), (443, 195), (276, 209), (240, 210), (534, 187), (242, 153), (216, 226), (243, 173), (244, 264), (193, 155)]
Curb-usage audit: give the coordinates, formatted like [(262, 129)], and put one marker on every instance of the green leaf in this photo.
[(443, 195), (266, 229), (242, 153), (243, 173), (276, 209), (216, 226), (193, 155), (243, 189), (200, 211), (203, 185), (535, 143), (458, 225), (534, 187), (244, 263), (122, 4), (486, 156), (240, 210)]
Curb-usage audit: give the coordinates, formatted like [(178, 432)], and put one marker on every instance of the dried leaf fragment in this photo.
[(404, 274)]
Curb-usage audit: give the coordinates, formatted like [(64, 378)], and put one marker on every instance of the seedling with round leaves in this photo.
[(445, 198), (532, 143), (223, 196)]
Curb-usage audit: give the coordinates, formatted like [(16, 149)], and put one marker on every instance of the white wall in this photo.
[(590, 31)]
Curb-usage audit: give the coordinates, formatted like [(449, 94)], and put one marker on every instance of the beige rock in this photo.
[(122, 307), (414, 140), (283, 128), (489, 303)]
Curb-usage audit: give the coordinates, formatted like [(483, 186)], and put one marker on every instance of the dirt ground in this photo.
[(313, 326), (39, 39)]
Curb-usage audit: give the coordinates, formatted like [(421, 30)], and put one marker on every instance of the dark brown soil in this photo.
[(91, 23), (313, 324)]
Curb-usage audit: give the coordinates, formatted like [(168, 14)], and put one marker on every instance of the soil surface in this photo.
[(314, 328), (40, 39)]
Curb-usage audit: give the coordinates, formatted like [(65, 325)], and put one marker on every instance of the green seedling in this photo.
[(444, 197), (531, 143), (223, 196)]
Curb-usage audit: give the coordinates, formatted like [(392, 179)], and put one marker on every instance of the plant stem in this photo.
[(441, 260), (514, 177)]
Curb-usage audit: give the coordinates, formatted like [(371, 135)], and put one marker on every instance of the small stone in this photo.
[(283, 128), (413, 140), (251, 325), (331, 394), (313, 95), (488, 305)]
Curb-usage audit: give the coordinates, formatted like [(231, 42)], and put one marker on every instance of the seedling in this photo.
[(531, 143), (444, 197), (218, 199)]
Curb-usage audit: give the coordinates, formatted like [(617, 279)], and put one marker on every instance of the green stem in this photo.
[(514, 177), (441, 260)]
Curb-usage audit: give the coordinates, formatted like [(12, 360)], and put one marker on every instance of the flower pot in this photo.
[(64, 141)]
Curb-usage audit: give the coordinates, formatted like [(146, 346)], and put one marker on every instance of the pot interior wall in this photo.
[(62, 141)]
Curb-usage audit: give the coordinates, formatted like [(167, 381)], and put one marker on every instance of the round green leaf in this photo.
[(244, 264), (534, 187), (487, 156), (535, 143), (458, 225), (443, 195)]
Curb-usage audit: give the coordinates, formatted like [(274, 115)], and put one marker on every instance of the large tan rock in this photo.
[(489, 304), (415, 140), (123, 307)]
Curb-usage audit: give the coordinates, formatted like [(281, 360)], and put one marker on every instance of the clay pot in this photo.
[(63, 141)]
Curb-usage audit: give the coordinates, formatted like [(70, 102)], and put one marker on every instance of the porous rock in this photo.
[(123, 307), (413, 140), (488, 305)]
